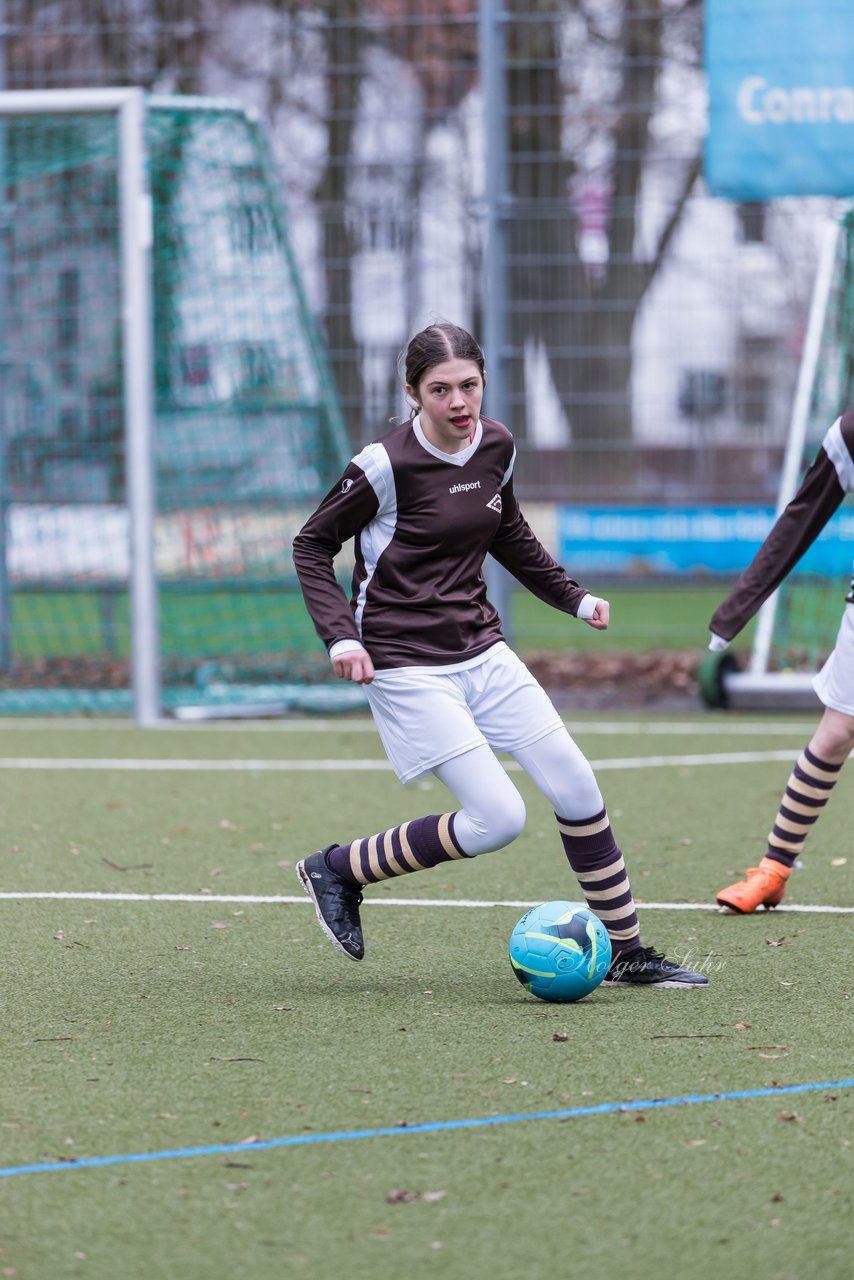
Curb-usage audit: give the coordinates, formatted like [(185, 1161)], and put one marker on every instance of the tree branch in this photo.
[(674, 218)]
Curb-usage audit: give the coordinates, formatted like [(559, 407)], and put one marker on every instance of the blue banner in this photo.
[(781, 98), (641, 541)]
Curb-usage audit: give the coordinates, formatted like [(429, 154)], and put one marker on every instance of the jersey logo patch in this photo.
[(494, 504), (346, 486)]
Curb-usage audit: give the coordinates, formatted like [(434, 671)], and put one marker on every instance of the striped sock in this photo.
[(807, 792), (413, 846), (597, 861)]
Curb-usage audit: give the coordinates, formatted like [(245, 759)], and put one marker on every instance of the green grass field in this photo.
[(642, 618), (425, 1115), (51, 624)]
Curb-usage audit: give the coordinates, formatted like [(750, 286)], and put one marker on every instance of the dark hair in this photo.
[(436, 344)]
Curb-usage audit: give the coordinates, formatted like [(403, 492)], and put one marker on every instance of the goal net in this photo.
[(153, 279), (797, 626)]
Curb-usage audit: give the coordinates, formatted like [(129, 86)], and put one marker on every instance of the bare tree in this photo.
[(72, 43), (585, 315), (583, 77), (557, 116), (311, 68), (344, 69)]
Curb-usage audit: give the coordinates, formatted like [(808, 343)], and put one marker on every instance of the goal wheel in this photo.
[(714, 668)]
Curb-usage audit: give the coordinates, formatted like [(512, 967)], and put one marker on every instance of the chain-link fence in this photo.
[(643, 337)]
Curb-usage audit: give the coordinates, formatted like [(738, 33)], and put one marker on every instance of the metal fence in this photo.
[(531, 170)]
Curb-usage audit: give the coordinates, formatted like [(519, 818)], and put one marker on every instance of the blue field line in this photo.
[(435, 1126)]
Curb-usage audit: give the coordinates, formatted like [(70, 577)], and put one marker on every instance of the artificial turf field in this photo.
[(202, 1086)]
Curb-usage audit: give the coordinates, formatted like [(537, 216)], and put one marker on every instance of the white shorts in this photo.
[(425, 717), (834, 684)]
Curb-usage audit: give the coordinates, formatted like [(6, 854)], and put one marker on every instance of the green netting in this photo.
[(809, 607), (248, 431)]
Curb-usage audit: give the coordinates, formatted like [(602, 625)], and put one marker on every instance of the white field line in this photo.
[(134, 765), (357, 766), (301, 900)]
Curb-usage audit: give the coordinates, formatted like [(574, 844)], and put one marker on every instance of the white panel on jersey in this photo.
[(836, 449), (377, 535)]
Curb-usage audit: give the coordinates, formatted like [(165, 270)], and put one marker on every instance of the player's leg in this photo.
[(810, 784), (426, 726), (564, 775), (807, 792), (516, 714), (492, 815)]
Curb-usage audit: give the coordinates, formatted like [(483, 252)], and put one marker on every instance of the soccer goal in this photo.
[(796, 627), (168, 418)]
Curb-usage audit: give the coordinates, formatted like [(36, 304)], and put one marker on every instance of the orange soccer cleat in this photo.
[(765, 886)]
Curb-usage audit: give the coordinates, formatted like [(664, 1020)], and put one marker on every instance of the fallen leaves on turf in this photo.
[(399, 1196), (690, 1035), (235, 1059), (137, 866)]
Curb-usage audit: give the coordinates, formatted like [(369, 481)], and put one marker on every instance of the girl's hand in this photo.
[(601, 616), (355, 665)]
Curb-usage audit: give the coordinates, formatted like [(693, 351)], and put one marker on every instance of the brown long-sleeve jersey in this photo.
[(824, 486), (423, 522)]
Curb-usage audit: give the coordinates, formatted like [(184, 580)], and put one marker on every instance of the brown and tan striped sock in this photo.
[(413, 846), (807, 792), (597, 861)]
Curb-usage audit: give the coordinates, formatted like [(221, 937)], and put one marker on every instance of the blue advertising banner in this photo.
[(781, 98), (688, 540)]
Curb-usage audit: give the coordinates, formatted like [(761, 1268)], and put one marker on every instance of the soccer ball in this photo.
[(560, 951)]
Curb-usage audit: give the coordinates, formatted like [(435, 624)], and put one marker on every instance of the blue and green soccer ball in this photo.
[(560, 951)]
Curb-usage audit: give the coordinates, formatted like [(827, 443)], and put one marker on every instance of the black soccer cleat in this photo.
[(336, 903), (646, 967)]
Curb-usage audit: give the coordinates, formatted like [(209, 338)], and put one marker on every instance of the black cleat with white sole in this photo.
[(646, 967), (336, 903)]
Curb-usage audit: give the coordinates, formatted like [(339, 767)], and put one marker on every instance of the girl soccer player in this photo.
[(817, 769), (425, 504)]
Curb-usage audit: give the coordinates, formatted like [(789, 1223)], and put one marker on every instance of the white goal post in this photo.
[(135, 235)]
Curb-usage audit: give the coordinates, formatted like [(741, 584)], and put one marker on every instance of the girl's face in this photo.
[(449, 396)]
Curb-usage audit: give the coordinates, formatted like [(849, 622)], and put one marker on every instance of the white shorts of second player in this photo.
[(428, 716), (834, 684)]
